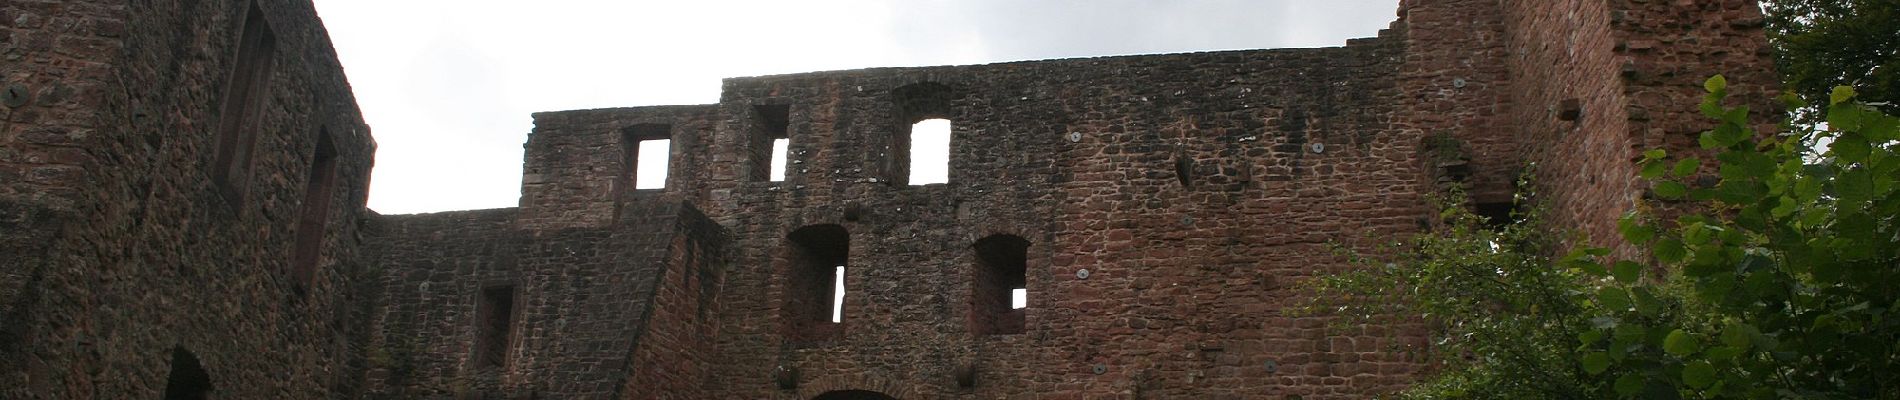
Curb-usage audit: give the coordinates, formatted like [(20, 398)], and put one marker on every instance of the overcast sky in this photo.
[(447, 86)]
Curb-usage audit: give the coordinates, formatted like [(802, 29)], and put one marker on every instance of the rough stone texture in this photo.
[(1172, 206), (119, 249), (584, 299)]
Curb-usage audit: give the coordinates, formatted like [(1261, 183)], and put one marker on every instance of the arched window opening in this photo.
[(1000, 293), (188, 379), (814, 290)]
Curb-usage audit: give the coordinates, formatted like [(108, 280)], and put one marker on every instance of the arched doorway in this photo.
[(853, 395)]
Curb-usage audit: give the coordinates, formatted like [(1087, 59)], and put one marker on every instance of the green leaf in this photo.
[(1841, 95), (1699, 374), (1845, 117), (1851, 147), (1629, 384), (1680, 343), (1646, 303), (1671, 190), (1719, 83), (1596, 362), (1634, 230), (1738, 335), (1724, 135), (1626, 271), (1722, 353), (1614, 298), (1653, 169), (1655, 154), (1670, 251), (1685, 167), (1590, 337)]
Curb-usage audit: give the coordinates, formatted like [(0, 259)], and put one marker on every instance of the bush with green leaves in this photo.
[(1789, 265), (1782, 280)]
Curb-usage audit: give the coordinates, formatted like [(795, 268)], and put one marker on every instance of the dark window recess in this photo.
[(817, 258), (245, 95), (1497, 215), (494, 318), (188, 379), (915, 103), (636, 142), (1001, 264), (771, 141), (319, 188), (1184, 170)]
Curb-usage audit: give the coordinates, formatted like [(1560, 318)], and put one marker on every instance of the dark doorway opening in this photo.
[(188, 380)]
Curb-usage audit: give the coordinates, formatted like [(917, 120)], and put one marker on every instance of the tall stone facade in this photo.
[(182, 186)]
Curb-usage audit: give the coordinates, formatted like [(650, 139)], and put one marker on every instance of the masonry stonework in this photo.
[(1163, 210)]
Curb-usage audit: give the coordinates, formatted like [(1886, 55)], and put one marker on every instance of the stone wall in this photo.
[(1598, 82), (1196, 190), (182, 187), (130, 252), (585, 302)]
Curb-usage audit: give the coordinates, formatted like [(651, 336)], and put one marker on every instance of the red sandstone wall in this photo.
[(1564, 50), (573, 170), (1188, 281), (1454, 84), (615, 311), (118, 247), (1636, 67), (674, 352)]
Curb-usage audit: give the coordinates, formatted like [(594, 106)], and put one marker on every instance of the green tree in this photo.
[(1820, 44), (1780, 284), (1789, 267)]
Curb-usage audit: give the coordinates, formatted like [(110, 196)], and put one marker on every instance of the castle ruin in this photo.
[(182, 190)]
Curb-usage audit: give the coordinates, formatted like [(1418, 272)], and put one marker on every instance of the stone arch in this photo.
[(853, 395), (857, 384)]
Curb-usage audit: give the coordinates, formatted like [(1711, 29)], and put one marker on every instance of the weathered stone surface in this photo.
[(1171, 205), (116, 246)]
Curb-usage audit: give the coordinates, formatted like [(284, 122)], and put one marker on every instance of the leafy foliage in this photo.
[(1820, 44), (1788, 265), (1501, 316), (1779, 284)]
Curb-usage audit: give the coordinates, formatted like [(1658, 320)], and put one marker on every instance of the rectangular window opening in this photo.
[(245, 95), (774, 123), (930, 152), (653, 157), (312, 225), (1000, 294), (495, 318), (814, 293), (645, 152), (1497, 215), (779, 148), (837, 297)]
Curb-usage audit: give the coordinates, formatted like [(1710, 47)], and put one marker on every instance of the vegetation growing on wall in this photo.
[(1777, 285)]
